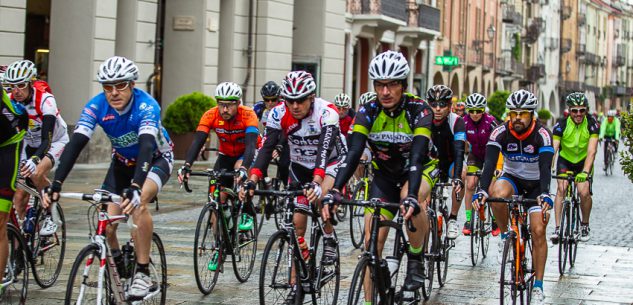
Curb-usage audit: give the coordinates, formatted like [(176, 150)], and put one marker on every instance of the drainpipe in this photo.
[(249, 50)]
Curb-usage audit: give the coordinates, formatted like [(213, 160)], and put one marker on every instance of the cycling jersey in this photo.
[(13, 123), (346, 123), (477, 134), (610, 130), (230, 133), (140, 116), (574, 138), (36, 111), (313, 141), (449, 137)]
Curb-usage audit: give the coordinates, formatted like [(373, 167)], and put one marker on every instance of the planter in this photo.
[(181, 144)]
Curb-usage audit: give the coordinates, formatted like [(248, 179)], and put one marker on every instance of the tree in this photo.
[(497, 103), (627, 154)]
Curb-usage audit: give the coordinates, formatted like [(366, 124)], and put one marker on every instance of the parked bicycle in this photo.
[(569, 232)]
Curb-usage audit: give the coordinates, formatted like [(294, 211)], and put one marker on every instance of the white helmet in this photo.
[(116, 69), (20, 71), (389, 65), (612, 112), (342, 100), (476, 100), (228, 91), (521, 99), (297, 84), (366, 98)]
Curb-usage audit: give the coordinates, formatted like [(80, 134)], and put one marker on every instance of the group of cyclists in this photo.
[(412, 143)]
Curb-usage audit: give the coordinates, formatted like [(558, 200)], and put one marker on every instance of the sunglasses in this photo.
[(227, 105), (390, 85), (524, 114), (441, 104), (20, 86), (268, 100), (578, 110), (476, 111), (296, 101), (119, 86)]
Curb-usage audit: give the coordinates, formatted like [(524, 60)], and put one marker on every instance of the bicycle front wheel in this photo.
[(48, 250), (16, 271), (357, 218), (564, 234), (443, 248), (207, 249), (328, 276), (508, 288), (244, 250), (363, 288), (275, 274), (575, 234), (83, 282), (431, 250), (158, 272), (475, 232)]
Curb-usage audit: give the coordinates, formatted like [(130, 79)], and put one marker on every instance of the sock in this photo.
[(328, 235), (469, 214), (414, 253), (538, 284), (142, 268)]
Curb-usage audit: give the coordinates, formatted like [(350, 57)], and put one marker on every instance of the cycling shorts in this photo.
[(300, 175), (119, 176), (530, 189), (225, 162), (563, 166), (474, 164), (10, 159)]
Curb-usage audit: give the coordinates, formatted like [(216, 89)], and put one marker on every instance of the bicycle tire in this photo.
[(278, 262), (244, 250), (46, 268), (357, 217), (17, 268), (356, 293), (487, 231), (443, 248), (88, 258), (158, 269), (328, 276), (564, 235), (475, 237), (430, 250), (575, 234), (260, 213), (206, 243), (508, 288)]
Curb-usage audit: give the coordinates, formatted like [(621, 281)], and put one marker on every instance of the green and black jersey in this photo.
[(574, 138), (13, 124)]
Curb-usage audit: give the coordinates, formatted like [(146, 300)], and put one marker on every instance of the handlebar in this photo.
[(376, 203), (279, 193), (208, 173), (98, 196), (512, 200), (569, 177)]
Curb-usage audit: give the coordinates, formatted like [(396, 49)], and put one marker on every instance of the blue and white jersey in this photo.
[(140, 116)]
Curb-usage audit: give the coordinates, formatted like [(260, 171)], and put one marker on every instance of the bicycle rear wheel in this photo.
[(575, 234), (158, 272), (358, 289), (328, 277), (564, 235), (431, 249), (244, 250), (83, 281), (207, 246), (475, 238), (357, 217), (508, 289), (16, 271), (274, 275), (48, 251)]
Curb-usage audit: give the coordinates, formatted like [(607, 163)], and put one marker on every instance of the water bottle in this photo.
[(128, 260), (227, 217), (440, 222), (393, 264), (303, 246), (29, 220)]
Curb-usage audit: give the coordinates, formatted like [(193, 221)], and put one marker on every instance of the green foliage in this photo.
[(544, 114), (497, 103), (627, 135), (184, 113), (516, 49)]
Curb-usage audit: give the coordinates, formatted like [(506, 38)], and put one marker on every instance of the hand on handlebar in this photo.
[(249, 186), (183, 173), (330, 201), (50, 194), (409, 207), (132, 199), (479, 199)]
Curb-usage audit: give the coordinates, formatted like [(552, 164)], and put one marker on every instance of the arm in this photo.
[(326, 144), (617, 129), (357, 145), (251, 146), (459, 143), (145, 153), (69, 156), (591, 154), (419, 156), (603, 128), (556, 145), (492, 155), (48, 127), (265, 154), (198, 141), (546, 154)]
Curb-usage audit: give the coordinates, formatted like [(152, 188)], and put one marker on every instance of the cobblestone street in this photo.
[(603, 273)]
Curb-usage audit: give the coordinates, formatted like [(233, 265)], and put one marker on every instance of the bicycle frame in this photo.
[(438, 206)]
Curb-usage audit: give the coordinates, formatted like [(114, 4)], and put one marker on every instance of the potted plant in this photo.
[(497, 104), (544, 115), (182, 117)]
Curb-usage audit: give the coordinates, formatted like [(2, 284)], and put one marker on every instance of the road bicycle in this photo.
[(14, 286), (517, 270), (480, 229), (94, 277), (218, 236), (569, 229), (439, 243), (610, 157), (376, 280), (360, 191), (285, 271)]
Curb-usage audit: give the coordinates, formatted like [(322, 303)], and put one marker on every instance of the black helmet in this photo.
[(270, 90), (439, 93), (577, 99)]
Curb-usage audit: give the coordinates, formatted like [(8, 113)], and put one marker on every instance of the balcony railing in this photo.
[(392, 8), (429, 17), (510, 15), (536, 72), (620, 90), (503, 65), (489, 61), (581, 49), (517, 67), (592, 59), (534, 30), (582, 19), (565, 45), (572, 86), (620, 61), (566, 11), (474, 57)]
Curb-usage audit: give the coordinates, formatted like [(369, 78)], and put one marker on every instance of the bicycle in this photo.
[(517, 271), (45, 253), (283, 264), (609, 157), (360, 191), (569, 229), (481, 228), (214, 240), (15, 283), (94, 276), (268, 206), (438, 214)]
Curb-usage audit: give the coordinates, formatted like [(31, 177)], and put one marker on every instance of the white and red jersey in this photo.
[(36, 111)]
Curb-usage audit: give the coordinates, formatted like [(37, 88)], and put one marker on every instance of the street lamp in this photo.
[(491, 32)]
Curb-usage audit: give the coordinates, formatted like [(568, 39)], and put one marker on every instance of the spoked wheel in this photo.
[(564, 234), (328, 276), (486, 227), (48, 249), (475, 237), (361, 282), (357, 218), (444, 246), (260, 212), (16, 271), (244, 249), (575, 235), (274, 275), (509, 291), (158, 272), (431, 249), (207, 249), (83, 282), (404, 297)]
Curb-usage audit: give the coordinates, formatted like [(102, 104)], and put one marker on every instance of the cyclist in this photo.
[(13, 123), (479, 124), (311, 126), (449, 138), (460, 109), (142, 158), (576, 140), (46, 136), (610, 130), (346, 115), (236, 128), (527, 149), (366, 98), (397, 127)]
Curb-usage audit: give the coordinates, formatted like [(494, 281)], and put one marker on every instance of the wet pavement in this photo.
[(603, 273)]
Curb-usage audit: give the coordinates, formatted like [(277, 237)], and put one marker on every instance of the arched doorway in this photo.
[(455, 85), (438, 79), (466, 86), (476, 86)]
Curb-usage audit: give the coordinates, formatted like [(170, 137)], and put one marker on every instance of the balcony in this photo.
[(620, 90), (429, 18), (572, 86), (565, 45), (504, 66), (582, 19), (565, 11), (489, 60), (619, 61), (592, 59), (535, 72), (534, 30), (517, 67), (396, 9), (473, 57), (510, 15), (581, 49)]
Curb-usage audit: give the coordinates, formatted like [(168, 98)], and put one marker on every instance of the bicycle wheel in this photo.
[(404, 297), (575, 234), (244, 250), (486, 226), (475, 237), (564, 235), (16, 271), (260, 213), (274, 275), (508, 289), (341, 210), (443, 248), (431, 249), (83, 281), (158, 272), (48, 251), (207, 246), (608, 158), (328, 277), (357, 218), (358, 288)]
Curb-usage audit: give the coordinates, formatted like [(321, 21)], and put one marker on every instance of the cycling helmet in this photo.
[(270, 90), (388, 65), (297, 84), (577, 99), (521, 99), (460, 106), (611, 112), (342, 100), (116, 69), (439, 93), (228, 91), (366, 98), (20, 71), (476, 100)]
